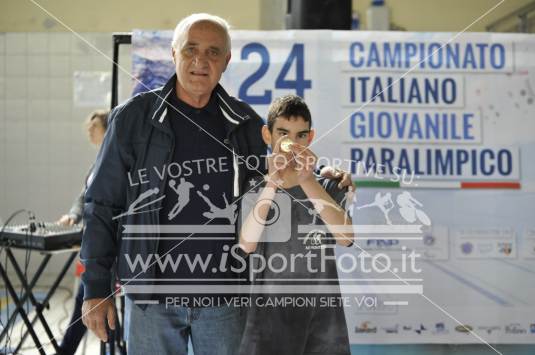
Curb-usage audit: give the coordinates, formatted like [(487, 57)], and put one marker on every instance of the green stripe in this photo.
[(376, 183)]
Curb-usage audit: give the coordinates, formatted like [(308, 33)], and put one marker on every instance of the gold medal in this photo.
[(285, 145)]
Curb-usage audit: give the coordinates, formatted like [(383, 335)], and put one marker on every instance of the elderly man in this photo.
[(171, 157)]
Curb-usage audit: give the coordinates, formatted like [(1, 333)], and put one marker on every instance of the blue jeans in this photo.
[(158, 329)]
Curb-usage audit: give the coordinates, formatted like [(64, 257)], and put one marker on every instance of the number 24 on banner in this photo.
[(299, 84)]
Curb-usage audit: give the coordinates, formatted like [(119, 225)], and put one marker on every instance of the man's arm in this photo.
[(105, 197)]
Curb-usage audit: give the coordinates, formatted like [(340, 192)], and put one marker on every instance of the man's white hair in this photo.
[(185, 24)]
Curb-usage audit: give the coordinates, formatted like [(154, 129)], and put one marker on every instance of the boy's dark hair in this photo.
[(288, 106)]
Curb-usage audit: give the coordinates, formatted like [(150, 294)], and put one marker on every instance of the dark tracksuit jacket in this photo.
[(140, 137)]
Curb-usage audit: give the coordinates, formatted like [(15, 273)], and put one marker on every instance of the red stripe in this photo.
[(490, 185)]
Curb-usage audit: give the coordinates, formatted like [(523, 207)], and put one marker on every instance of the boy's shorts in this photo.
[(295, 330)]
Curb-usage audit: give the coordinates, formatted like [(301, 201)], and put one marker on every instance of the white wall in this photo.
[(44, 151)]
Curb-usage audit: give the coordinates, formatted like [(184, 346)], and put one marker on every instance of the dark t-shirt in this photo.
[(294, 230), (199, 188)]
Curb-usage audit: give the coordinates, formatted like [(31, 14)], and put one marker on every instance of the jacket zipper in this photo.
[(236, 190)]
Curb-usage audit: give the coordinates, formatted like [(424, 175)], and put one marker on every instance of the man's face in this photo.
[(200, 60), (295, 128)]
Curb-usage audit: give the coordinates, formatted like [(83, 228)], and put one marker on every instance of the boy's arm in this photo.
[(330, 212), (253, 226)]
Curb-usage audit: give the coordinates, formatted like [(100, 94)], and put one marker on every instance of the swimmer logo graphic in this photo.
[(408, 207)]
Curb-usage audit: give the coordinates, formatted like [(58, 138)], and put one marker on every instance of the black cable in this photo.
[(58, 323), (13, 215), (7, 334), (65, 314)]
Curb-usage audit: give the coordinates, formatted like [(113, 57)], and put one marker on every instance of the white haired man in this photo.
[(189, 124)]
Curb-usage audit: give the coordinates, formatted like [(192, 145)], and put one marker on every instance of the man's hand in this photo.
[(345, 178), (65, 220), (95, 313)]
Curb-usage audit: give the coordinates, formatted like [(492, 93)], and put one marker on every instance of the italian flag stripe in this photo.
[(490, 185), (433, 184), (376, 183)]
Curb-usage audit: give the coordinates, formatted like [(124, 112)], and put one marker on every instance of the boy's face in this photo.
[(295, 128)]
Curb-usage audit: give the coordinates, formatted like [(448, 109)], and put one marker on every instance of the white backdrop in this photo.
[(457, 116)]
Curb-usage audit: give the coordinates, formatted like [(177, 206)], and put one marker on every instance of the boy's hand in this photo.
[(305, 162), (277, 162)]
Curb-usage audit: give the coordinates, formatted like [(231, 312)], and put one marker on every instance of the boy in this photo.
[(313, 203)]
